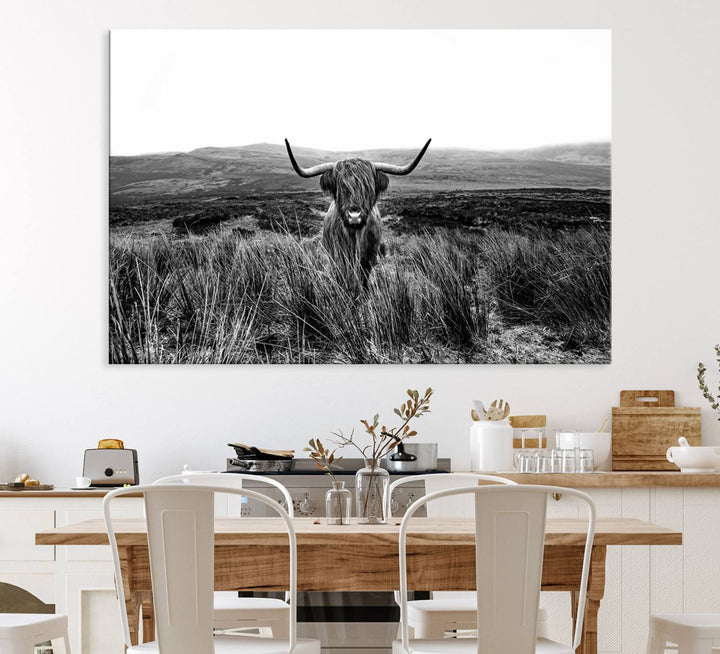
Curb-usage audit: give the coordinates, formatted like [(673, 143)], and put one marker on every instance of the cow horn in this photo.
[(313, 171), (392, 169)]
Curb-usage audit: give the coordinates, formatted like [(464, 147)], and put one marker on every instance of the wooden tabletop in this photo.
[(435, 531)]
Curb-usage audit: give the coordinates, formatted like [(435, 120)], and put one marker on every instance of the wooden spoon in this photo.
[(498, 411)]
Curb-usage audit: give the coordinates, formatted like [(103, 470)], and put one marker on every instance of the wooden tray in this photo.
[(44, 487), (643, 430)]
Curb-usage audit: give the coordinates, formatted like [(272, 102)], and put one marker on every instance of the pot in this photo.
[(424, 458), (261, 465)]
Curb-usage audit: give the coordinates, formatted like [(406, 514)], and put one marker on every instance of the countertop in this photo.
[(585, 480), (60, 493), (644, 479)]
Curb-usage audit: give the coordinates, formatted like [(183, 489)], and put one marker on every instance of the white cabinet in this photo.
[(644, 579), (78, 580), (640, 579), (17, 536)]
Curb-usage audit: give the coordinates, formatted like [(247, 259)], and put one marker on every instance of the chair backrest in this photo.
[(443, 479), (229, 479), (180, 530), (509, 545)]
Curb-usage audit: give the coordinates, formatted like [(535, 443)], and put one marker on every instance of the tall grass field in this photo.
[(496, 294)]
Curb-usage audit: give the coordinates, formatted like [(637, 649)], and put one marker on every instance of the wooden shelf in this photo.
[(618, 479)]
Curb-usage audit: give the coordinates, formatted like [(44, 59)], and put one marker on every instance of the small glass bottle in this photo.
[(338, 501)]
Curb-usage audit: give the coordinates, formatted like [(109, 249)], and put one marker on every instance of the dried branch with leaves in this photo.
[(323, 457), (385, 440), (714, 400)]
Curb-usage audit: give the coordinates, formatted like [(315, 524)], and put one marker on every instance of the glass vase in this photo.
[(338, 501), (371, 484)]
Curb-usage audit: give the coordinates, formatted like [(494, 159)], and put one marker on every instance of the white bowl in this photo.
[(695, 459), (599, 442)]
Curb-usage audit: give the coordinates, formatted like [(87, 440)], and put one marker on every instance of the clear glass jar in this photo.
[(338, 503), (371, 485)]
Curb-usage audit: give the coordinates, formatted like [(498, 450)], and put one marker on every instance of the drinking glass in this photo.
[(543, 461), (568, 460), (519, 452), (556, 456), (526, 461), (585, 461)]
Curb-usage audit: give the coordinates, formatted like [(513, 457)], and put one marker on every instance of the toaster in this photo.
[(110, 467)]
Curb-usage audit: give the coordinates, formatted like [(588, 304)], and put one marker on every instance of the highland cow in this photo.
[(352, 229)]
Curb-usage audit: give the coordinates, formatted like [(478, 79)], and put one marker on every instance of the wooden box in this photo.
[(645, 425)]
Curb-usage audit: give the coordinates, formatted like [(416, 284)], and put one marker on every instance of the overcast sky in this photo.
[(176, 90)]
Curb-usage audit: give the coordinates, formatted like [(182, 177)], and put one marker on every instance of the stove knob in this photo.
[(394, 505), (306, 506)]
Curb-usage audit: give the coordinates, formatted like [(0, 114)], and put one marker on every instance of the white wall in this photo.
[(57, 393)]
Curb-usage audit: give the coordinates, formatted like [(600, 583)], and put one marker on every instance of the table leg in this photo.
[(133, 606), (148, 617), (596, 591)]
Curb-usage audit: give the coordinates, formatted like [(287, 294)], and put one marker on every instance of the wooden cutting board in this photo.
[(645, 425), (6, 487)]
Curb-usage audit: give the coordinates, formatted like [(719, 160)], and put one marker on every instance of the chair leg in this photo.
[(656, 643)]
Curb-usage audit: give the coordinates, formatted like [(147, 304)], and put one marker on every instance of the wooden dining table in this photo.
[(251, 554)]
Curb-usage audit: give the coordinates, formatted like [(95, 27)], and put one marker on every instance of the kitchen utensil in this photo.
[(82, 482), (111, 467), (424, 458), (603, 426), (474, 415), (401, 455), (261, 454), (645, 425), (261, 465), (480, 408), (694, 459), (599, 442), (498, 411)]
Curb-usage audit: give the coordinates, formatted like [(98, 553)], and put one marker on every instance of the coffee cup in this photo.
[(82, 482)]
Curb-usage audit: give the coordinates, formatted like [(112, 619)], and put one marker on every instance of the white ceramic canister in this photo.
[(491, 446)]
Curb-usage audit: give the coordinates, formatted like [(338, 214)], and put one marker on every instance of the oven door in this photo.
[(351, 622)]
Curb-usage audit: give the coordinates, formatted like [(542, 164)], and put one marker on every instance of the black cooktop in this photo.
[(349, 467)]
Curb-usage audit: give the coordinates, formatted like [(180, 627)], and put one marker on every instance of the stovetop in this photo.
[(349, 467)]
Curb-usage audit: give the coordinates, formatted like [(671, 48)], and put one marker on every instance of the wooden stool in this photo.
[(20, 632), (694, 633)]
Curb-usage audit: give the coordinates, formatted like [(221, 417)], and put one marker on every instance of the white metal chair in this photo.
[(180, 530), (20, 632), (231, 611), (509, 545), (446, 611), (693, 633)]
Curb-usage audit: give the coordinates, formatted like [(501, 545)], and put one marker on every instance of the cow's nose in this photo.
[(354, 216)]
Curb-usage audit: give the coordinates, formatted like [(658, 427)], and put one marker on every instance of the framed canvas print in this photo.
[(360, 196)]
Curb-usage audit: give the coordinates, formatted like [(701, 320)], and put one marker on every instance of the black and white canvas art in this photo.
[(357, 196)]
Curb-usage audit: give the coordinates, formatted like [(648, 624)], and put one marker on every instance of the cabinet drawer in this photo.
[(17, 537)]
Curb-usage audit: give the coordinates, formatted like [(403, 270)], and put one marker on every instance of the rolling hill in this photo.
[(264, 168)]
